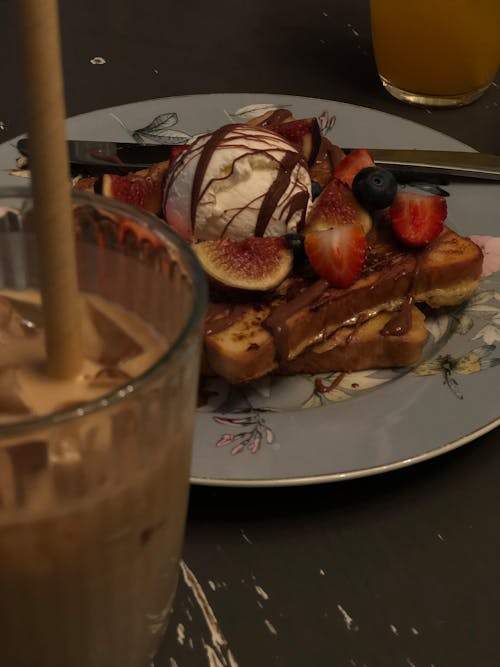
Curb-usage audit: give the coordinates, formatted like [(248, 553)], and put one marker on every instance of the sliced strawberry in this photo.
[(337, 254), (353, 162), (417, 219)]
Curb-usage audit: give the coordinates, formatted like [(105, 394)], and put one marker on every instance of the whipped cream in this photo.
[(236, 182)]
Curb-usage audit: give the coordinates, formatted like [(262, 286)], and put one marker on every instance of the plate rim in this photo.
[(350, 474)]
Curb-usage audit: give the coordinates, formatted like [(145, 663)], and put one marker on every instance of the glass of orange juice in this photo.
[(436, 52)]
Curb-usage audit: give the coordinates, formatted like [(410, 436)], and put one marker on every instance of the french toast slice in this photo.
[(362, 347), (254, 339), (349, 349), (237, 347)]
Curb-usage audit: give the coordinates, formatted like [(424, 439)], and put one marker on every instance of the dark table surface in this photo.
[(402, 569)]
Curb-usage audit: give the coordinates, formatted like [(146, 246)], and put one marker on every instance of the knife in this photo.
[(109, 155)]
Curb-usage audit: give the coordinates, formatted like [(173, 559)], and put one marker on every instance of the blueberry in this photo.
[(374, 188), (296, 245), (316, 189)]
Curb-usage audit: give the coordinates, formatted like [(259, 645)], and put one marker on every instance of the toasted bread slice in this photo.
[(253, 340), (367, 346), (237, 346)]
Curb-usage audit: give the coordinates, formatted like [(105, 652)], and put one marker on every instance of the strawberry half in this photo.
[(337, 254), (351, 164), (417, 219)]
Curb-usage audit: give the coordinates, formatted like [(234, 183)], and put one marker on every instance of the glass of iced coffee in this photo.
[(94, 472)]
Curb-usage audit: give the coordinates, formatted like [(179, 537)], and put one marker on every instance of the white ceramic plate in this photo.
[(284, 431)]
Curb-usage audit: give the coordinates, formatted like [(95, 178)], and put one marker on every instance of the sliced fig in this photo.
[(254, 264), (304, 134), (142, 189), (329, 156), (336, 205)]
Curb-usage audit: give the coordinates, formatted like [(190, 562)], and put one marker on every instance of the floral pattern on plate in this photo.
[(159, 130)]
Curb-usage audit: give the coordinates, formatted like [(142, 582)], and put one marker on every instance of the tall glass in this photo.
[(443, 53), (93, 498)]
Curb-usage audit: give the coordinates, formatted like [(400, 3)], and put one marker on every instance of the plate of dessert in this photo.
[(354, 315)]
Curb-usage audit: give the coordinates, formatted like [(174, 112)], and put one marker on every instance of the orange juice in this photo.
[(438, 48)]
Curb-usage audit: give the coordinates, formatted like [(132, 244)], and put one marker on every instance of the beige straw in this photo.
[(51, 186)]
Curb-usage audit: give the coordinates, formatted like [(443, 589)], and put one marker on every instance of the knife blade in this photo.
[(105, 155), (447, 163), (110, 154)]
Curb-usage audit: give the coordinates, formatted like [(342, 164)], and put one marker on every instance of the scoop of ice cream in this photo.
[(236, 182)]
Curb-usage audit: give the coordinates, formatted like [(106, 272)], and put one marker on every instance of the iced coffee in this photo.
[(94, 471)]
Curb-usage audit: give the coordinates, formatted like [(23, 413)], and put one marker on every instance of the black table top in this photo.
[(402, 569)]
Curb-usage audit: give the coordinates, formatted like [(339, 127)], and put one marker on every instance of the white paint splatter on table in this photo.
[(349, 622), (270, 627), (181, 635), (218, 652), (245, 537), (260, 591)]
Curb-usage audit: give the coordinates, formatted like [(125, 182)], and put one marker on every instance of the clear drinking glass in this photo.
[(430, 53), (93, 498)]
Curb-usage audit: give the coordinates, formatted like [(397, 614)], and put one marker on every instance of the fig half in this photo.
[(253, 264), (142, 189)]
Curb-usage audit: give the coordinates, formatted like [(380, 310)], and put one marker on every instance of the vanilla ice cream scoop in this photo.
[(236, 182)]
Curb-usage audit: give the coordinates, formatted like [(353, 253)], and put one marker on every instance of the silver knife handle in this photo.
[(450, 163)]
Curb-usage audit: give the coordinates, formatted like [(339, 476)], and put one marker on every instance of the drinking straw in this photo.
[(51, 187)]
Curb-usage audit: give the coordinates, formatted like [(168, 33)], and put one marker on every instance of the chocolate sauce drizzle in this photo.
[(204, 160), (221, 316), (277, 190), (401, 322), (275, 323)]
